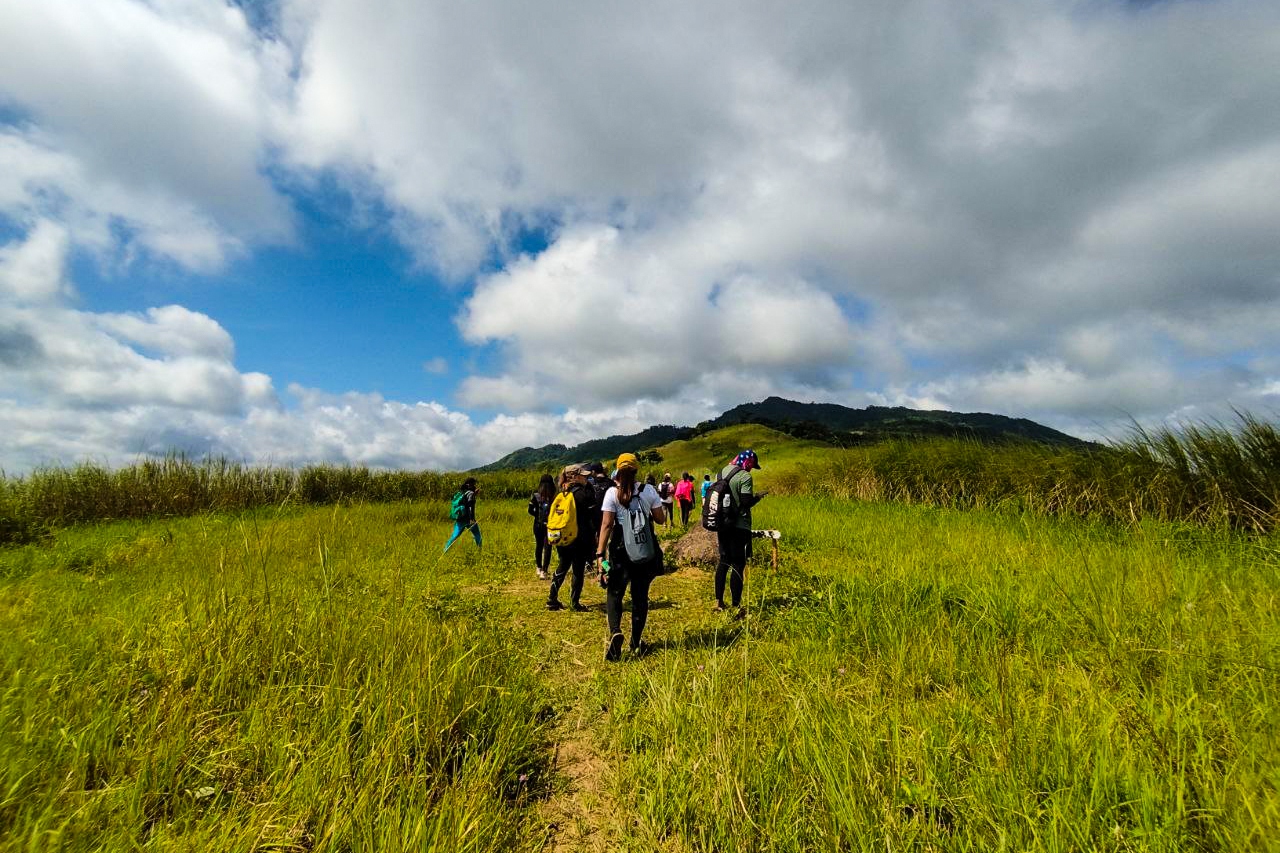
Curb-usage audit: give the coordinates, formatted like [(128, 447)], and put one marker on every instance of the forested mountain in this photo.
[(845, 426), (837, 425)]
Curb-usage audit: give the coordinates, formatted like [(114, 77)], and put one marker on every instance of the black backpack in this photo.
[(718, 510)]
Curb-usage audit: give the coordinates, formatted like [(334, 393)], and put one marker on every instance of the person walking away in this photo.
[(734, 540), (600, 483), (667, 491), (684, 496), (573, 557), (463, 512), (706, 484), (626, 537), (539, 506)]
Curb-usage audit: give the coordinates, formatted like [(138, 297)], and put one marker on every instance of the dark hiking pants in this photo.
[(571, 558), (542, 548), (639, 578), (735, 548)]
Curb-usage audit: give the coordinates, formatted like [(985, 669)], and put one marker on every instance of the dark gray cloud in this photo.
[(18, 347)]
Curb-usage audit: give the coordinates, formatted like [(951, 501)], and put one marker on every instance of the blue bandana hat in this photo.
[(741, 459)]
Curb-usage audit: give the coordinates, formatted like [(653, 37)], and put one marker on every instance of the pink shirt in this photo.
[(684, 491)]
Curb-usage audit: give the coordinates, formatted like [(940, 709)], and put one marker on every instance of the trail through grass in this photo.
[(908, 679)]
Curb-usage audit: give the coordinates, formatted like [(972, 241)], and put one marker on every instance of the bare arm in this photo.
[(659, 514), (606, 529)]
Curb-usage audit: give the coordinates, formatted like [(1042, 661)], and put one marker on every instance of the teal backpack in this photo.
[(458, 509)]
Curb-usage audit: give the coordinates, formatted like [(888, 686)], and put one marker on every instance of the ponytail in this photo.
[(626, 485)]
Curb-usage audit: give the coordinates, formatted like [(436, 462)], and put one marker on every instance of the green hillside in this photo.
[(841, 425), (818, 424), (555, 455), (708, 453)]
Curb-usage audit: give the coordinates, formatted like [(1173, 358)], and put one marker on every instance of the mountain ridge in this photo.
[(830, 423)]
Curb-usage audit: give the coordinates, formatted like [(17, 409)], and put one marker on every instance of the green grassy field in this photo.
[(909, 678)]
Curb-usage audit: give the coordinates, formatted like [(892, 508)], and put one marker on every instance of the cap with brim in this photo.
[(628, 460)]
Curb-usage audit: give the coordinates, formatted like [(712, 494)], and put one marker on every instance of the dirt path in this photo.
[(580, 814)]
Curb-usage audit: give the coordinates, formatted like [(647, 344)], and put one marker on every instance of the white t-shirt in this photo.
[(646, 493)]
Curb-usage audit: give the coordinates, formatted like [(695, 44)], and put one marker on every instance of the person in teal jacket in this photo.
[(465, 517)]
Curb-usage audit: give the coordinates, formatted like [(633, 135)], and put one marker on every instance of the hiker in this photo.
[(574, 556), (463, 512), (667, 491), (626, 537), (706, 484), (684, 494), (734, 540), (539, 506), (600, 483)]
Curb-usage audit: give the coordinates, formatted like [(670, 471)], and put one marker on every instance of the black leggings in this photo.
[(735, 548), (639, 577), (685, 508), (542, 548), (572, 558)]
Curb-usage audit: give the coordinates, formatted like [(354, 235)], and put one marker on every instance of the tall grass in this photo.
[(933, 680), (910, 678), (1209, 475), (176, 486), (259, 684)]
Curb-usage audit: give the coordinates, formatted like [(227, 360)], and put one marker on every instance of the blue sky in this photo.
[(424, 235)]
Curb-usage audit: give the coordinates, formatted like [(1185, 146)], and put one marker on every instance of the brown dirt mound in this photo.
[(695, 548)]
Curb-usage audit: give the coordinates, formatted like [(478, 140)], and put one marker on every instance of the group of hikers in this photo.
[(608, 521)]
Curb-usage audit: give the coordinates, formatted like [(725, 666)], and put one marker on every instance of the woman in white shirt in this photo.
[(628, 541)]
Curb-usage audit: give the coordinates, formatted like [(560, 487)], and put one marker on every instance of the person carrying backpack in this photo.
[(627, 553), (539, 506), (463, 512), (667, 491), (734, 538), (684, 496), (600, 483), (706, 484), (575, 541)]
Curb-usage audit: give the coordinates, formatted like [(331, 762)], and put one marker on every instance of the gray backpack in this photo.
[(634, 527)]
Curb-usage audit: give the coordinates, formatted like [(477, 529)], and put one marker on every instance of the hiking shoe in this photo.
[(640, 649), (740, 613), (554, 604), (720, 608), (614, 651), (577, 608)]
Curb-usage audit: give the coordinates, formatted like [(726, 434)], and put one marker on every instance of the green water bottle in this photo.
[(604, 572)]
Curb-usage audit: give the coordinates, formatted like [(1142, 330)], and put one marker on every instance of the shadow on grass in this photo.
[(703, 639)]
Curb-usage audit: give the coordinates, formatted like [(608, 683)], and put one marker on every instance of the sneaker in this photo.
[(640, 649), (542, 575), (614, 651), (720, 608), (554, 604), (577, 608)]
